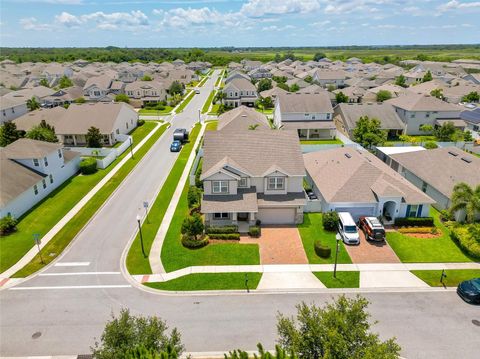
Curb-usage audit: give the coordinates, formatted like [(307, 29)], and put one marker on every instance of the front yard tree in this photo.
[(445, 132), (340, 330), (341, 97), (466, 198), (471, 97), (264, 84), (383, 95), (94, 137), (192, 226), (126, 332), (9, 133), (368, 132), (175, 88), (42, 132), (318, 56), (122, 98), (438, 93), (401, 81), (33, 104), (427, 77), (65, 82)]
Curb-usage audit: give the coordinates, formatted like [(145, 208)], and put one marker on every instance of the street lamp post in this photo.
[(337, 237), (139, 219), (131, 146)]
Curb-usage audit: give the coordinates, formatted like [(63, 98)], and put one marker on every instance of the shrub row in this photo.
[(432, 230), (88, 166), (232, 236), (414, 222), (254, 231), (321, 250), (221, 229), (468, 238), (192, 243)]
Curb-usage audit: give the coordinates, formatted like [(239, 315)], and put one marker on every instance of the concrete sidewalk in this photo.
[(55, 229)]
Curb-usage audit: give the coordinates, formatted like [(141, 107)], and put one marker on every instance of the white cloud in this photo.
[(67, 19), (320, 23), (259, 8), (278, 28), (340, 7), (183, 18), (458, 5), (133, 20), (31, 23)]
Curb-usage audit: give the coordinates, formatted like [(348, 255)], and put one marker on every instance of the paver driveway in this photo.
[(371, 252), (279, 245)]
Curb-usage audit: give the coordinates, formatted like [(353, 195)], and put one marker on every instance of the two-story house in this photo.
[(240, 91), (30, 171), (310, 114), (416, 110), (147, 91), (97, 87), (252, 175), (325, 78)]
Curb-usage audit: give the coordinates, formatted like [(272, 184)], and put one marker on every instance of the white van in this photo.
[(347, 228)]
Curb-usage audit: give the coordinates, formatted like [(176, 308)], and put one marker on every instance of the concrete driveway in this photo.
[(279, 245), (371, 252)]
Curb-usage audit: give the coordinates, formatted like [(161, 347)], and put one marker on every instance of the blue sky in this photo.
[(210, 23)]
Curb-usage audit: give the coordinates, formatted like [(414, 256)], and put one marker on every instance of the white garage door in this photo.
[(357, 212), (276, 215)]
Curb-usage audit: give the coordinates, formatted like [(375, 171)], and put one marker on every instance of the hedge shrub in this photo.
[(468, 238), (8, 225), (228, 236), (193, 197), (414, 222), (221, 229), (254, 231), (430, 145), (330, 221), (88, 166), (192, 243), (321, 250)]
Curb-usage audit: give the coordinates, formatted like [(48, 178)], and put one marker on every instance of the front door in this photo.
[(242, 216)]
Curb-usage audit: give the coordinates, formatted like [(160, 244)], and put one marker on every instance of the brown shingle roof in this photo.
[(420, 102), (241, 118), (384, 112), (305, 103), (24, 148), (51, 116)]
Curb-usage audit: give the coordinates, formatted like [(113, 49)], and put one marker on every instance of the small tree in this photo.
[(94, 137), (427, 77), (44, 82), (65, 82), (330, 221), (467, 136), (426, 128), (471, 97), (175, 88), (445, 132), (318, 56), (40, 133), (341, 97), (308, 79), (9, 134), (264, 84), (126, 332), (193, 197), (438, 93), (283, 86), (8, 225), (192, 226), (383, 95), (122, 98), (368, 132), (146, 78), (294, 88), (33, 104), (401, 81), (466, 198)]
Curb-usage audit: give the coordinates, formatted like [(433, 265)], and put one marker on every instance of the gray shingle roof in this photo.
[(25, 148), (420, 102), (305, 103), (241, 118), (350, 114)]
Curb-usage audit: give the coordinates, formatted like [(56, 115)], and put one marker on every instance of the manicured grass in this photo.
[(215, 109), (344, 279), (58, 243), (311, 230), (185, 102), (440, 249), (453, 278), (418, 140), (321, 142), (267, 111), (166, 111), (209, 281), (211, 126), (41, 218), (207, 103), (136, 263), (202, 82)]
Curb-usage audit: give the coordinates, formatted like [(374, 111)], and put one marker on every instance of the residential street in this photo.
[(69, 303)]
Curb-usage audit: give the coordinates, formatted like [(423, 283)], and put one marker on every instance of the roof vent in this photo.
[(348, 155), (465, 159), (452, 153), (244, 115)]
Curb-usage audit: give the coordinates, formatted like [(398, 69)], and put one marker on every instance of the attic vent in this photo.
[(452, 153), (468, 160), (348, 155)]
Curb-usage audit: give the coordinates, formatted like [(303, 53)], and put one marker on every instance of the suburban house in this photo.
[(52, 116), (346, 116), (30, 171), (242, 118), (437, 171), (472, 121), (416, 110), (249, 65), (240, 91), (235, 75), (62, 97), (147, 91), (253, 175), (333, 78), (349, 180), (11, 109), (97, 87), (310, 114), (113, 119)]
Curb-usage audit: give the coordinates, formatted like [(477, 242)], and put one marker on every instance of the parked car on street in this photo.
[(372, 228), (180, 134), (176, 146), (347, 228), (197, 91), (469, 291)]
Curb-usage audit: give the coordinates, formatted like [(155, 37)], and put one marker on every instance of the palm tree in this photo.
[(466, 198), (33, 104)]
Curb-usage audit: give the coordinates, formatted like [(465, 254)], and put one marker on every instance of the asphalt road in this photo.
[(66, 307)]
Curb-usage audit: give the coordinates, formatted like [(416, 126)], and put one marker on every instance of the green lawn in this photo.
[(58, 243), (344, 279), (419, 139), (209, 281), (215, 109), (414, 250), (268, 111), (207, 103), (136, 263), (202, 81), (185, 101), (454, 276), (166, 111), (41, 218), (310, 230), (211, 126), (321, 142)]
